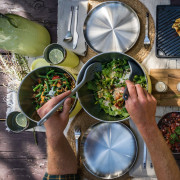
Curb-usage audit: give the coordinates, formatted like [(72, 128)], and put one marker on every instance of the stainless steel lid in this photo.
[(111, 26), (109, 150)]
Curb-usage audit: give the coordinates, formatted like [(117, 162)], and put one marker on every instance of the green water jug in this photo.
[(22, 36)]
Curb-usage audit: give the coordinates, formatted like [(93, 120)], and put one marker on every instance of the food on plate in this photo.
[(176, 26), (50, 85), (109, 84), (170, 128)]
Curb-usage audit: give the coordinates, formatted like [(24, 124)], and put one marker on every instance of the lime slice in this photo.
[(40, 62), (56, 56), (21, 120)]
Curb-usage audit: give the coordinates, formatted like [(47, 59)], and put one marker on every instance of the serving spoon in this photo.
[(88, 76), (68, 37), (135, 70)]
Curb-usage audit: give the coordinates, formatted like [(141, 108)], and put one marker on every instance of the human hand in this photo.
[(140, 105), (56, 124)]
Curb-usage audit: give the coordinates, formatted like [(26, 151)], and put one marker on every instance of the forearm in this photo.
[(162, 158), (61, 158)]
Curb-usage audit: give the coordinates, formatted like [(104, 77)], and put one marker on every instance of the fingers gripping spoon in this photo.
[(88, 76), (135, 70)]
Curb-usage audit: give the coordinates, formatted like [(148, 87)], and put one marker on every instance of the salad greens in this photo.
[(109, 84)]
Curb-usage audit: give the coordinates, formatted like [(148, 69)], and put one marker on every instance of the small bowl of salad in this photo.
[(102, 98), (169, 126), (40, 85)]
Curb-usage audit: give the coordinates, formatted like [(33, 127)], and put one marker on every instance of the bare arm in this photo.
[(61, 158), (142, 107)]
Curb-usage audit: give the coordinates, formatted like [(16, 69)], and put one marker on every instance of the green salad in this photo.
[(109, 84)]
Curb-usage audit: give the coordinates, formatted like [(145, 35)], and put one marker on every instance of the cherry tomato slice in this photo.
[(55, 77)]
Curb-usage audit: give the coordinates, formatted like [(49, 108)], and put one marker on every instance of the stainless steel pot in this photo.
[(25, 92), (86, 97)]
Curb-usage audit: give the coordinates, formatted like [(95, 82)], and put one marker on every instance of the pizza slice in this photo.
[(176, 26)]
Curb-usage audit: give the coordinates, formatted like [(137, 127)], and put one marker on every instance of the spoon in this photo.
[(88, 76), (68, 37), (135, 70)]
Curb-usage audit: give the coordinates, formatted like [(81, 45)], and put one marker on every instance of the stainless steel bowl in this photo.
[(109, 150), (25, 92), (86, 96)]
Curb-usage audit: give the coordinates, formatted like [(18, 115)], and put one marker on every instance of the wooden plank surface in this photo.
[(20, 158), (171, 77)]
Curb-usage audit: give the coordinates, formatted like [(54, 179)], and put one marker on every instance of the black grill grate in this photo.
[(167, 40)]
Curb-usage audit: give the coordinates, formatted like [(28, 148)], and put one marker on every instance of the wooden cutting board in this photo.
[(171, 77)]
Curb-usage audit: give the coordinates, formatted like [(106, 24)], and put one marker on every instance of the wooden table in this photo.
[(20, 158)]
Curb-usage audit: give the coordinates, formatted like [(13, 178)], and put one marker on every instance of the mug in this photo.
[(58, 55), (14, 127)]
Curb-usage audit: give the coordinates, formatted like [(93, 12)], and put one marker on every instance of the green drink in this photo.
[(18, 122), (21, 120), (56, 54), (22, 36)]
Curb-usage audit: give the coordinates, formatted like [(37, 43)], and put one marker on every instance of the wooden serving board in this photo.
[(171, 77)]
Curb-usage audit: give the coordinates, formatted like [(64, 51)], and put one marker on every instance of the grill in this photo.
[(167, 40)]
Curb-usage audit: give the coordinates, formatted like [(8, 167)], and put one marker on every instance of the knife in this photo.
[(75, 38)]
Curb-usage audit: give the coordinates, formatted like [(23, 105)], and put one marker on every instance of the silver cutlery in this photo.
[(75, 35), (144, 156), (146, 39), (68, 37), (88, 76), (77, 134)]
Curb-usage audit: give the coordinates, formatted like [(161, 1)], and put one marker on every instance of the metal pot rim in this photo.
[(88, 63), (33, 72)]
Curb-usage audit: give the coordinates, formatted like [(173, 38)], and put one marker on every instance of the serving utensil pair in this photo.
[(88, 76)]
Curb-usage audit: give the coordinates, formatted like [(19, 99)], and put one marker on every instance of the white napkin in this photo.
[(137, 170), (64, 7)]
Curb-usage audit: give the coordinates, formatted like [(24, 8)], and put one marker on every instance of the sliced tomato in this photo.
[(55, 77)]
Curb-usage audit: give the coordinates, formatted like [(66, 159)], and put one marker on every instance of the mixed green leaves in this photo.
[(109, 84)]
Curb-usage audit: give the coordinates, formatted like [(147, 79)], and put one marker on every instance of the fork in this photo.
[(77, 134), (146, 39), (144, 156)]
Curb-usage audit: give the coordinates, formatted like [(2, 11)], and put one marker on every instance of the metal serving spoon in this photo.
[(88, 76), (68, 37), (135, 70)]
